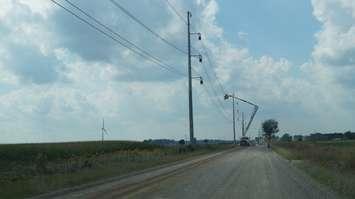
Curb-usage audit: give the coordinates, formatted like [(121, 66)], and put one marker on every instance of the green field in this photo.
[(331, 163), (31, 169)]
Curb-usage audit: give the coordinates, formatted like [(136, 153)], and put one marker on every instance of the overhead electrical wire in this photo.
[(173, 8), (213, 89), (205, 53), (210, 63), (212, 84), (128, 13), (209, 95), (139, 51), (203, 45), (216, 104), (219, 104)]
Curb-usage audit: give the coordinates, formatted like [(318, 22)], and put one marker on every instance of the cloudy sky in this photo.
[(59, 77)]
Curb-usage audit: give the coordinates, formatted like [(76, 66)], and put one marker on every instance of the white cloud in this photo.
[(91, 77), (316, 90)]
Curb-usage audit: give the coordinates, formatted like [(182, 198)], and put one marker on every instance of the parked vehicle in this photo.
[(244, 141)]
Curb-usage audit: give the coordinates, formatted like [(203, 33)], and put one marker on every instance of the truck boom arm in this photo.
[(256, 107), (251, 118)]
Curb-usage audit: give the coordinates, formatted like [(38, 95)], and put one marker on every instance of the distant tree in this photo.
[(182, 142), (298, 138), (286, 138), (349, 135), (270, 128)]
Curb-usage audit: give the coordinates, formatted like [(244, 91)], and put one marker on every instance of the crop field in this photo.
[(332, 163), (31, 169)]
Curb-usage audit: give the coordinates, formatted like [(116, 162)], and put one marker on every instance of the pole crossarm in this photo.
[(199, 57), (198, 77)]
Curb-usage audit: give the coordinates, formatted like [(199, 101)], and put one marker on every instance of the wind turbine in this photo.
[(103, 130)]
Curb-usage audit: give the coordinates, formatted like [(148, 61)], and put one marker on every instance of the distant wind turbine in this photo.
[(103, 130)]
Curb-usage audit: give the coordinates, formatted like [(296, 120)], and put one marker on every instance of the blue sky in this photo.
[(277, 28), (59, 77)]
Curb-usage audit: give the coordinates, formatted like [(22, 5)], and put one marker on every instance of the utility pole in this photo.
[(191, 117), (235, 141), (227, 96), (243, 125)]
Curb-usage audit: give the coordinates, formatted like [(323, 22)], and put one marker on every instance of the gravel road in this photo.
[(249, 173)]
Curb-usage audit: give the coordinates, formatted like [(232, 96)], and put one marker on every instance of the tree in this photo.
[(270, 128), (286, 138), (349, 135), (182, 142)]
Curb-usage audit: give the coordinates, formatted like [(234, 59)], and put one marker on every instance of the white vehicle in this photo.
[(244, 141)]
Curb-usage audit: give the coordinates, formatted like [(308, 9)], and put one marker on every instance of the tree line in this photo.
[(348, 135)]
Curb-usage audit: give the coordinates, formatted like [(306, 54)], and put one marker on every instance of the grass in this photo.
[(331, 163), (31, 169)]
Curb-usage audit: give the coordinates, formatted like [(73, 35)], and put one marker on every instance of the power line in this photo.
[(212, 86), (172, 7), (182, 18), (146, 27), (214, 91), (219, 104), (121, 37), (210, 79), (138, 50), (219, 108), (211, 98), (211, 66)]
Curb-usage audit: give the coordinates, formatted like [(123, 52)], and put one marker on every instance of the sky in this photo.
[(59, 77)]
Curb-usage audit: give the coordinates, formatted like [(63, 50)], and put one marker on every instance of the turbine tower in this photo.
[(103, 130)]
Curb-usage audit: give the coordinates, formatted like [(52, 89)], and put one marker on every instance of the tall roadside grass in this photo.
[(31, 169), (331, 163)]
